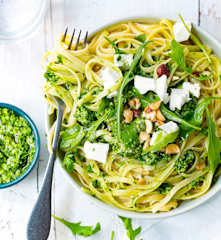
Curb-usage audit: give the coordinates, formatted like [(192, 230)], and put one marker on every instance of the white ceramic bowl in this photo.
[(183, 207)]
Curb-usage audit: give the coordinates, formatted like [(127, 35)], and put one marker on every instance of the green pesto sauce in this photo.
[(17, 147)]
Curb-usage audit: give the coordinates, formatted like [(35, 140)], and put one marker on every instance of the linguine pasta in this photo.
[(133, 177)]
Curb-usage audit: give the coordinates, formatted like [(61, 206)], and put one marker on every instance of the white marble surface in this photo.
[(21, 84)]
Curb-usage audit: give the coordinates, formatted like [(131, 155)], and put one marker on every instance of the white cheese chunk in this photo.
[(178, 98), (169, 127), (180, 32), (144, 84), (109, 77), (192, 88), (161, 88), (123, 60), (166, 98), (96, 151)]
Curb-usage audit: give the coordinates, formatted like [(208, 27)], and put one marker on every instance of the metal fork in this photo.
[(72, 37), (40, 220)]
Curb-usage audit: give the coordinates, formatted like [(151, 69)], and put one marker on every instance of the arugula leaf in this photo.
[(198, 43), (127, 78), (71, 137), (128, 225), (178, 57), (174, 117), (112, 235), (116, 49), (141, 37), (76, 228), (201, 107), (197, 117), (148, 98), (214, 144), (162, 141)]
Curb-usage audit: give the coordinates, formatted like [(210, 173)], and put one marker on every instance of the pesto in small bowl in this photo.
[(17, 145)]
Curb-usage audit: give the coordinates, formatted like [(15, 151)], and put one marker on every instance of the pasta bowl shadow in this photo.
[(183, 207)]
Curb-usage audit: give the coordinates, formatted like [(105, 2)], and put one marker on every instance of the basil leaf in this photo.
[(162, 141), (127, 78), (71, 137), (141, 37), (128, 225), (116, 49), (214, 144), (76, 228)]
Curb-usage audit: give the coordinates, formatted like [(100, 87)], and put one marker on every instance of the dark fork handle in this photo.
[(40, 220)]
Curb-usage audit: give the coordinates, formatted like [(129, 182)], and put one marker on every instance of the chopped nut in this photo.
[(149, 126), (128, 115), (159, 123), (147, 143), (147, 109), (174, 78), (155, 106), (160, 116), (172, 149), (200, 166), (151, 116), (143, 136), (134, 103)]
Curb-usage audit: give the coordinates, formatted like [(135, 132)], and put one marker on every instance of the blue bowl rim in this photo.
[(37, 143)]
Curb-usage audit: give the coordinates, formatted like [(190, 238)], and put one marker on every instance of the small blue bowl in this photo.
[(37, 143)]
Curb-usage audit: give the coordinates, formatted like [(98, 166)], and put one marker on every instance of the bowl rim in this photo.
[(21, 113), (132, 214)]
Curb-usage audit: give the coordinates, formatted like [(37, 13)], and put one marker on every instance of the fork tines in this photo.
[(72, 37)]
